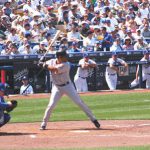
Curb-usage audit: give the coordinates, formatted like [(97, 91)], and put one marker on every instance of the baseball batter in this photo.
[(112, 70), (145, 72), (80, 78), (60, 68)]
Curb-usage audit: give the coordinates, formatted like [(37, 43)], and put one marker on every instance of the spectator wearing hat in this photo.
[(82, 7), (146, 31), (12, 49), (27, 50), (112, 18), (97, 46), (97, 19), (7, 9), (74, 48), (89, 41), (140, 44), (128, 44), (137, 34), (13, 36), (144, 21), (64, 18), (80, 79), (117, 46), (144, 9), (40, 49), (26, 88), (113, 69), (74, 34), (132, 26), (84, 29), (46, 2), (108, 26), (145, 71), (130, 35), (51, 29), (88, 16), (64, 41), (28, 6), (50, 14), (36, 33), (4, 21), (37, 19), (26, 13), (107, 40), (22, 45), (74, 12), (62, 8), (138, 18), (97, 33), (47, 39)]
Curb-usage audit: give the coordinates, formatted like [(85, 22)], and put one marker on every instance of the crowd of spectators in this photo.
[(28, 26)]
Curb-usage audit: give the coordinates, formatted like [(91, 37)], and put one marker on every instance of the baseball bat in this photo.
[(52, 42)]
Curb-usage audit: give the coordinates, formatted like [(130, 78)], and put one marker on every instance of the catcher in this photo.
[(5, 107)]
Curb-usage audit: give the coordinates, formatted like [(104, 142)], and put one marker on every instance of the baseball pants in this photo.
[(111, 80), (144, 77), (80, 84), (57, 93), (5, 119)]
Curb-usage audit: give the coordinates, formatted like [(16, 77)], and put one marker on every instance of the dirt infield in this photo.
[(76, 134)]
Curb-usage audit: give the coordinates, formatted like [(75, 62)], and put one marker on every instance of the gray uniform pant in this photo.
[(57, 93), (111, 80), (144, 77)]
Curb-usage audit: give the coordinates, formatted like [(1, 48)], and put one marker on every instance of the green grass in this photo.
[(105, 107)]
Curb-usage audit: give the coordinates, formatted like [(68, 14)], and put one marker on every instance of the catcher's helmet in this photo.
[(61, 53), (2, 87)]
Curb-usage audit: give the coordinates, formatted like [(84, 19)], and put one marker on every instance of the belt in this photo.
[(63, 84), (111, 74), (82, 77)]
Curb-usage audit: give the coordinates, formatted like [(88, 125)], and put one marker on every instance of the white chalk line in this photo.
[(128, 126)]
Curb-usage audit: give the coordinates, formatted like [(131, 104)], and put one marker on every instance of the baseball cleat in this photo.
[(43, 128), (96, 123)]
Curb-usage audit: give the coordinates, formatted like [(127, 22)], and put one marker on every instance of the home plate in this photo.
[(32, 136), (80, 131)]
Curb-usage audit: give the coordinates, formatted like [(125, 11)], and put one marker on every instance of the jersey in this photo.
[(83, 72), (26, 89), (113, 62), (62, 76), (145, 67)]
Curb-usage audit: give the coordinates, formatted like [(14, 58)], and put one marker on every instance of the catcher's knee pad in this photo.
[(6, 119)]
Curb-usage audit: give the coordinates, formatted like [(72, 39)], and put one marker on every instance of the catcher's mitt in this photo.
[(14, 105)]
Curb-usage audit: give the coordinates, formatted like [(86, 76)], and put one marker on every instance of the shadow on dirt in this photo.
[(15, 134)]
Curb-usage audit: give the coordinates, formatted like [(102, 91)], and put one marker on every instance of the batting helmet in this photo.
[(61, 53)]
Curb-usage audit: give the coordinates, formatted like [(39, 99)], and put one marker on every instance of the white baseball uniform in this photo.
[(62, 85), (145, 75), (80, 78), (111, 74), (26, 89)]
